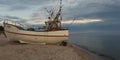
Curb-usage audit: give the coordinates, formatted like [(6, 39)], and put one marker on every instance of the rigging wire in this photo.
[(71, 23)]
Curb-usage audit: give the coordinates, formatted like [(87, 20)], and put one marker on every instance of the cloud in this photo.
[(71, 8), (39, 15), (12, 18), (23, 2), (18, 7), (91, 15), (81, 6), (87, 9), (102, 26), (35, 22), (84, 21)]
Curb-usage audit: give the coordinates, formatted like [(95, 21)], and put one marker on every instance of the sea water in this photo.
[(105, 44)]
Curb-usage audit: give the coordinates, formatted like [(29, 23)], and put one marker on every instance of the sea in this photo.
[(104, 44)]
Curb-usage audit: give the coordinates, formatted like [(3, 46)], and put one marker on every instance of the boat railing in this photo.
[(8, 21), (19, 25)]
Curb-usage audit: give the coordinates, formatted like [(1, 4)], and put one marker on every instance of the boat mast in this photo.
[(54, 23), (59, 12), (51, 13)]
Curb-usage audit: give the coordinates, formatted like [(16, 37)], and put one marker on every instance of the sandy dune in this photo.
[(14, 51)]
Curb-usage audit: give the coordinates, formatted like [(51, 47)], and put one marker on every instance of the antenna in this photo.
[(59, 11), (60, 2), (50, 12)]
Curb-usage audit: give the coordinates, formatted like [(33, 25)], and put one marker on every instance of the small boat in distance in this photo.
[(52, 32)]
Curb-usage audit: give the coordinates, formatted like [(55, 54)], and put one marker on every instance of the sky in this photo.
[(91, 15)]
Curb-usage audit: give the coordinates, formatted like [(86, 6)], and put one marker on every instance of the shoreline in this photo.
[(96, 53), (71, 51)]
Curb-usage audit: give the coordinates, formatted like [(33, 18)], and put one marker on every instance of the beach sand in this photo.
[(15, 51)]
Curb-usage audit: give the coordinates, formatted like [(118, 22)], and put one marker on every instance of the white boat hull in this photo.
[(50, 37)]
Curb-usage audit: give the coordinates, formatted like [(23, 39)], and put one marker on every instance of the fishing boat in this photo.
[(51, 33)]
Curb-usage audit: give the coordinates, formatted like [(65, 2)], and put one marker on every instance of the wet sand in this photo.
[(15, 51)]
